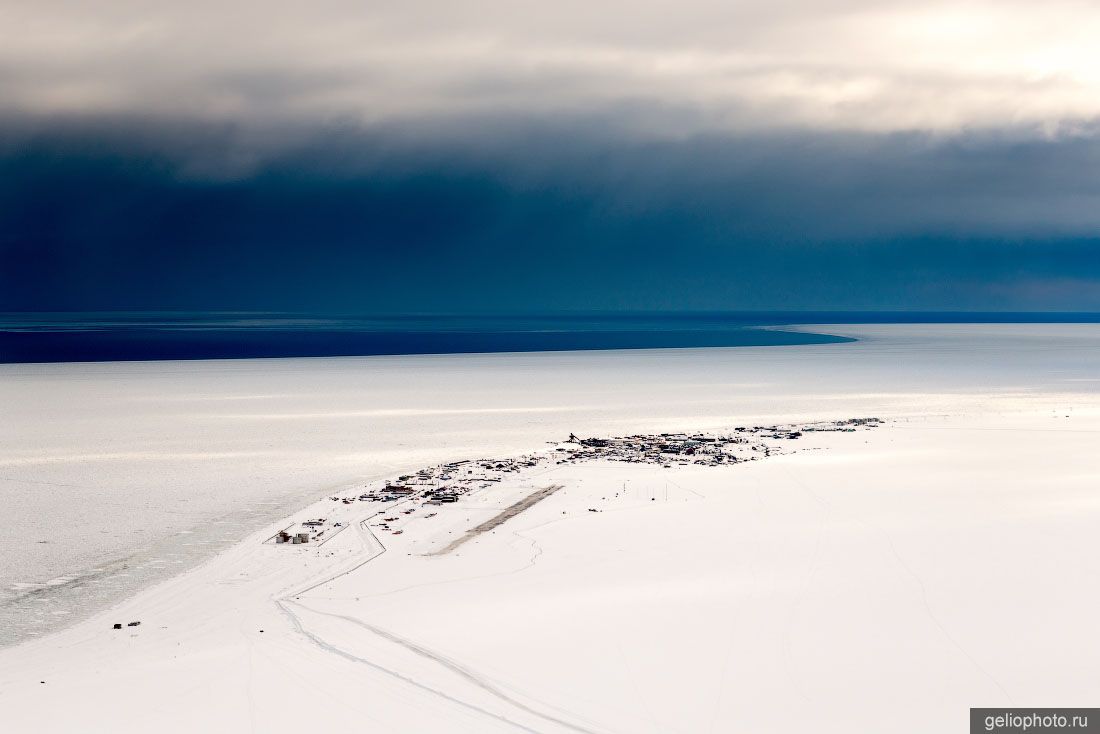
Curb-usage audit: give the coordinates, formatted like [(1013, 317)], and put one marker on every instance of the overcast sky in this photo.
[(718, 65), (522, 155)]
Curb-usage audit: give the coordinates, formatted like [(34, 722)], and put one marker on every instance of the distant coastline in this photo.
[(125, 338), (154, 336)]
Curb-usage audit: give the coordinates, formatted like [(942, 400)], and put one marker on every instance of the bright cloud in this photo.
[(670, 67)]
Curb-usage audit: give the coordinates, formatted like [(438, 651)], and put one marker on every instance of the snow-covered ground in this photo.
[(944, 561)]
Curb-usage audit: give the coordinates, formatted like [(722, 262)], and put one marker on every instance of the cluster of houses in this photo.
[(284, 537), (743, 444), (447, 483), (848, 426), (308, 531), (664, 449)]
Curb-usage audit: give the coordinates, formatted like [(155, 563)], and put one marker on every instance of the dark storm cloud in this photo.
[(511, 214), (492, 154)]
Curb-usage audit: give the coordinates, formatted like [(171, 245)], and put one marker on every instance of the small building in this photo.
[(397, 489)]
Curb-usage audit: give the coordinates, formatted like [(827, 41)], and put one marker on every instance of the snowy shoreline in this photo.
[(121, 475), (638, 597), (487, 637)]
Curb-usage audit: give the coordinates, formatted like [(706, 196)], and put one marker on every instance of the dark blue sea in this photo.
[(98, 337)]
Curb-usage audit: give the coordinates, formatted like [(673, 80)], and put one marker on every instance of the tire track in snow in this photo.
[(296, 621), (454, 667)]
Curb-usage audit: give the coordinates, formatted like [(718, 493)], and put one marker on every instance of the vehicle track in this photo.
[(286, 602)]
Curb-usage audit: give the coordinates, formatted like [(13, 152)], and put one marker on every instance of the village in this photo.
[(431, 489)]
